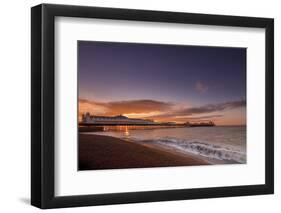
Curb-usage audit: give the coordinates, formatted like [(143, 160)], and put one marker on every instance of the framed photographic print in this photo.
[(139, 106)]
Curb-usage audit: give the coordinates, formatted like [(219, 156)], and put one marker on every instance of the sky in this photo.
[(176, 83)]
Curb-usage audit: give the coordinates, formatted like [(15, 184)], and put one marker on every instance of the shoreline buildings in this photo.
[(87, 118), (200, 124)]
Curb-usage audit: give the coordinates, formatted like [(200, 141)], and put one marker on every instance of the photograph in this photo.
[(134, 105), (159, 105)]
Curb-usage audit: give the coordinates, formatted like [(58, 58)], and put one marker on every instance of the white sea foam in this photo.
[(204, 149)]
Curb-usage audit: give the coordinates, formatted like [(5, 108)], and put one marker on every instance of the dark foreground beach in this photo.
[(104, 152)]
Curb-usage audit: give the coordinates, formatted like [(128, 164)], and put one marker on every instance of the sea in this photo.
[(214, 144)]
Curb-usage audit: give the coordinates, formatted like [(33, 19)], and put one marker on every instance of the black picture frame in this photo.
[(43, 111)]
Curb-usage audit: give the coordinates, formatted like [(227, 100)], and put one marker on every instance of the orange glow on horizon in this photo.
[(225, 118)]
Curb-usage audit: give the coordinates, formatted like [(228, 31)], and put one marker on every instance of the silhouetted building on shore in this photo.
[(200, 124), (87, 118)]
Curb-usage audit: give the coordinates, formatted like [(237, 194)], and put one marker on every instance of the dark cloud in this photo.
[(195, 118), (203, 117), (202, 88), (209, 108), (212, 108), (131, 106)]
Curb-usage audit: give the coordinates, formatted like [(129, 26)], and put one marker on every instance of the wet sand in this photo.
[(104, 152)]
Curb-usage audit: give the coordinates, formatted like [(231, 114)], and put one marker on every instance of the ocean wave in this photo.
[(204, 149)]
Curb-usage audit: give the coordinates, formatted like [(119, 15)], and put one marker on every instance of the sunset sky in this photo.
[(163, 82)]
